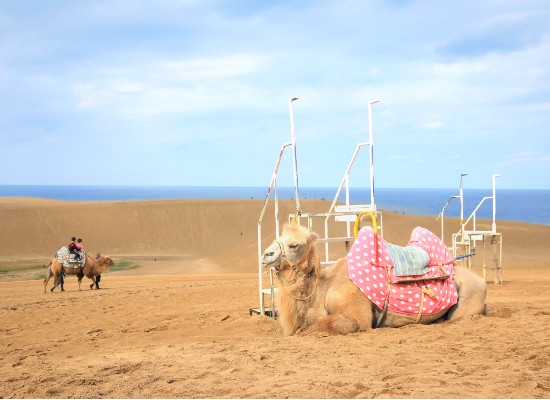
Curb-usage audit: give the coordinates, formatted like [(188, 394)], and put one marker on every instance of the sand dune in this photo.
[(180, 326)]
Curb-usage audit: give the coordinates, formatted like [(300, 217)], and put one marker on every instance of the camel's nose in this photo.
[(270, 256)]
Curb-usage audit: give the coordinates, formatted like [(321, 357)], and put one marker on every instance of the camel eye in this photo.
[(293, 245)]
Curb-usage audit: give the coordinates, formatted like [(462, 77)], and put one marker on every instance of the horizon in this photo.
[(112, 92), (415, 201), (266, 187)]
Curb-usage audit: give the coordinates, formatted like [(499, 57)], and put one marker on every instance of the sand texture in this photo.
[(179, 327)]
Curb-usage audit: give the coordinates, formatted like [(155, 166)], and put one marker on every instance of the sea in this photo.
[(524, 205)]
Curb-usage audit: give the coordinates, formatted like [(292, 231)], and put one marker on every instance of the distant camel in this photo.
[(91, 269), (312, 299)]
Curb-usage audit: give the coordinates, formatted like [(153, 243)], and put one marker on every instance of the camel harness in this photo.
[(297, 273)]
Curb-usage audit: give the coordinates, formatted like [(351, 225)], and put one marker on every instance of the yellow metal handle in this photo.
[(296, 216), (358, 220)]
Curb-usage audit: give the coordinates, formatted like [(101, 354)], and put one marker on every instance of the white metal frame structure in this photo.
[(441, 215), (349, 211), (467, 239), (273, 186)]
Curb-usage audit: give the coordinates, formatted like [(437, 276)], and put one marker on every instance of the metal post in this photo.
[(293, 141), (494, 226), (462, 208), (462, 199), (372, 202), (348, 223)]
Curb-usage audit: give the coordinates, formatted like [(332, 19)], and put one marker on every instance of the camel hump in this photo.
[(371, 268), (431, 244)]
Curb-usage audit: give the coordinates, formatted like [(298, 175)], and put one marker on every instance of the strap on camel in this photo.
[(375, 229)]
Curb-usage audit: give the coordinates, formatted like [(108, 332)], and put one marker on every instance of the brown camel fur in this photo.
[(311, 299), (91, 269)]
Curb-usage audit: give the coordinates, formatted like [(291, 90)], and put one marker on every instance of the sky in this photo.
[(197, 93)]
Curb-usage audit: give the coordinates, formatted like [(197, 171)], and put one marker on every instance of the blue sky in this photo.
[(126, 92)]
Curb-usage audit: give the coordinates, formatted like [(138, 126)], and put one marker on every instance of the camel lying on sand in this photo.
[(312, 299), (91, 269)]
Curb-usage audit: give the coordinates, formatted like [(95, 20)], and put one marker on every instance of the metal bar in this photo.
[(293, 141), (273, 178), (372, 203), (346, 174), (494, 226), (348, 225)]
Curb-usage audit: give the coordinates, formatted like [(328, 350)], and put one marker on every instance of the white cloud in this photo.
[(236, 65), (164, 87), (433, 125), (460, 69)]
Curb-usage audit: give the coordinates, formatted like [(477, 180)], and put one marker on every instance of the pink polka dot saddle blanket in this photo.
[(380, 277)]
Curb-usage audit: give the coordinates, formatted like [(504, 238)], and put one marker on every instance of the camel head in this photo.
[(105, 261), (109, 261), (294, 250)]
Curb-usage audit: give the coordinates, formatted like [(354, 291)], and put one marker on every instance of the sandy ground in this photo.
[(180, 326)]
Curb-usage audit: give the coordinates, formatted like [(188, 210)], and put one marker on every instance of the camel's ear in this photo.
[(312, 237)]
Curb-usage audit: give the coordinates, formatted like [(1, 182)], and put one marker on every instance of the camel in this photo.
[(311, 299), (92, 269)]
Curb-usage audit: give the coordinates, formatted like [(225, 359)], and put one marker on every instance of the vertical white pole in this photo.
[(494, 226), (461, 194), (461, 199), (442, 227), (372, 203), (260, 284), (293, 141), (276, 198), (348, 223)]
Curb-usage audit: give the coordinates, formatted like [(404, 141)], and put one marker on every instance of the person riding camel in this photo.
[(72, 246), (79, 249)]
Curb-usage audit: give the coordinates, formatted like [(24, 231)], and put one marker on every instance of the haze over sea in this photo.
[(512, 204)]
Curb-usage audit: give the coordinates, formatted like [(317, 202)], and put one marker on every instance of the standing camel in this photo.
[(313, 299), (91, 269)]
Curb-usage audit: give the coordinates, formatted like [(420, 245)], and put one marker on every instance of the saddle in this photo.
[(68, 260), (416, 279)]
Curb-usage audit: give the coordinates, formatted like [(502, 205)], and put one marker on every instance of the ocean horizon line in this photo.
[(527, 205), (266, 187)]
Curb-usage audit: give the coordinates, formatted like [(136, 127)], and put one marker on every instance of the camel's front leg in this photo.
[(94, 282), (337, 324), (348, 309)]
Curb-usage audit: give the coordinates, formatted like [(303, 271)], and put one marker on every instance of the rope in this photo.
[(430, 293), (272, 304), (304, 298), (387, 299)]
